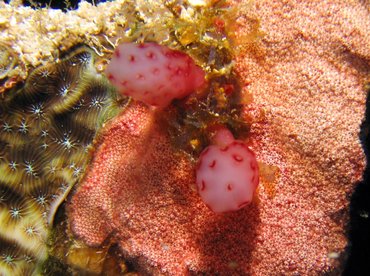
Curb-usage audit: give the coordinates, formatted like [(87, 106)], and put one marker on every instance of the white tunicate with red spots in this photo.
[(153, 74), (227, 176)]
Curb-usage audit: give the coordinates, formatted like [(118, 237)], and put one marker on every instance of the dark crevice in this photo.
[(358, 262), (64, 5)]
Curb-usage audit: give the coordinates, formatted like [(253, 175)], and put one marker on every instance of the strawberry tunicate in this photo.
[(153, 74), (227, 174)]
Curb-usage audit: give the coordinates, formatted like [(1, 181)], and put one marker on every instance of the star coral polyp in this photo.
[(153, 74), (227, 174)]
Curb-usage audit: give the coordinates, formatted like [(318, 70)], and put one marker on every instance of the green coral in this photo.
[(46, 130)]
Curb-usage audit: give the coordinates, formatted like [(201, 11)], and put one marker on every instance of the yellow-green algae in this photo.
[(48, 126), (11, 70)]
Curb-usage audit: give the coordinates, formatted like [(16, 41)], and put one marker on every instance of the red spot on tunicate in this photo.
[(117, 53), (243, 204), (178, 71), (146, 93), (229, 187), (124, 83), (237, 158), (155, 71), (140, 77), (142, 46), (225, 148), (111, 77), (253, 166), (131, 58), (253, 178), (212, 164), (150, 55), (203, 186)]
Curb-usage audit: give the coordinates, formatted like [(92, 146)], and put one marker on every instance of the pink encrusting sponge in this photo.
[(227, 173), (153, 74)]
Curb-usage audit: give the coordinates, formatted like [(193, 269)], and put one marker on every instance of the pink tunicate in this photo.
[(227, 175), (153, 73)]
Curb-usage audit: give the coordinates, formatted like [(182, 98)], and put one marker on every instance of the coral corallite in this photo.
[(153, 74), (227, 174), (46, 129)]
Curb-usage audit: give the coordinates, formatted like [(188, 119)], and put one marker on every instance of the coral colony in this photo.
[(46, 128), (227, 173)]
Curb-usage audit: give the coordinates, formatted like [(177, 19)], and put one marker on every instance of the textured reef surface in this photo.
[(309, 73), (96, 183), (140, 192)]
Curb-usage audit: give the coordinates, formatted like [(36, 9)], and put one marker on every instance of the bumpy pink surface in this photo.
[(306, 76), (227, 176), (153, 74), (141, 193)]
